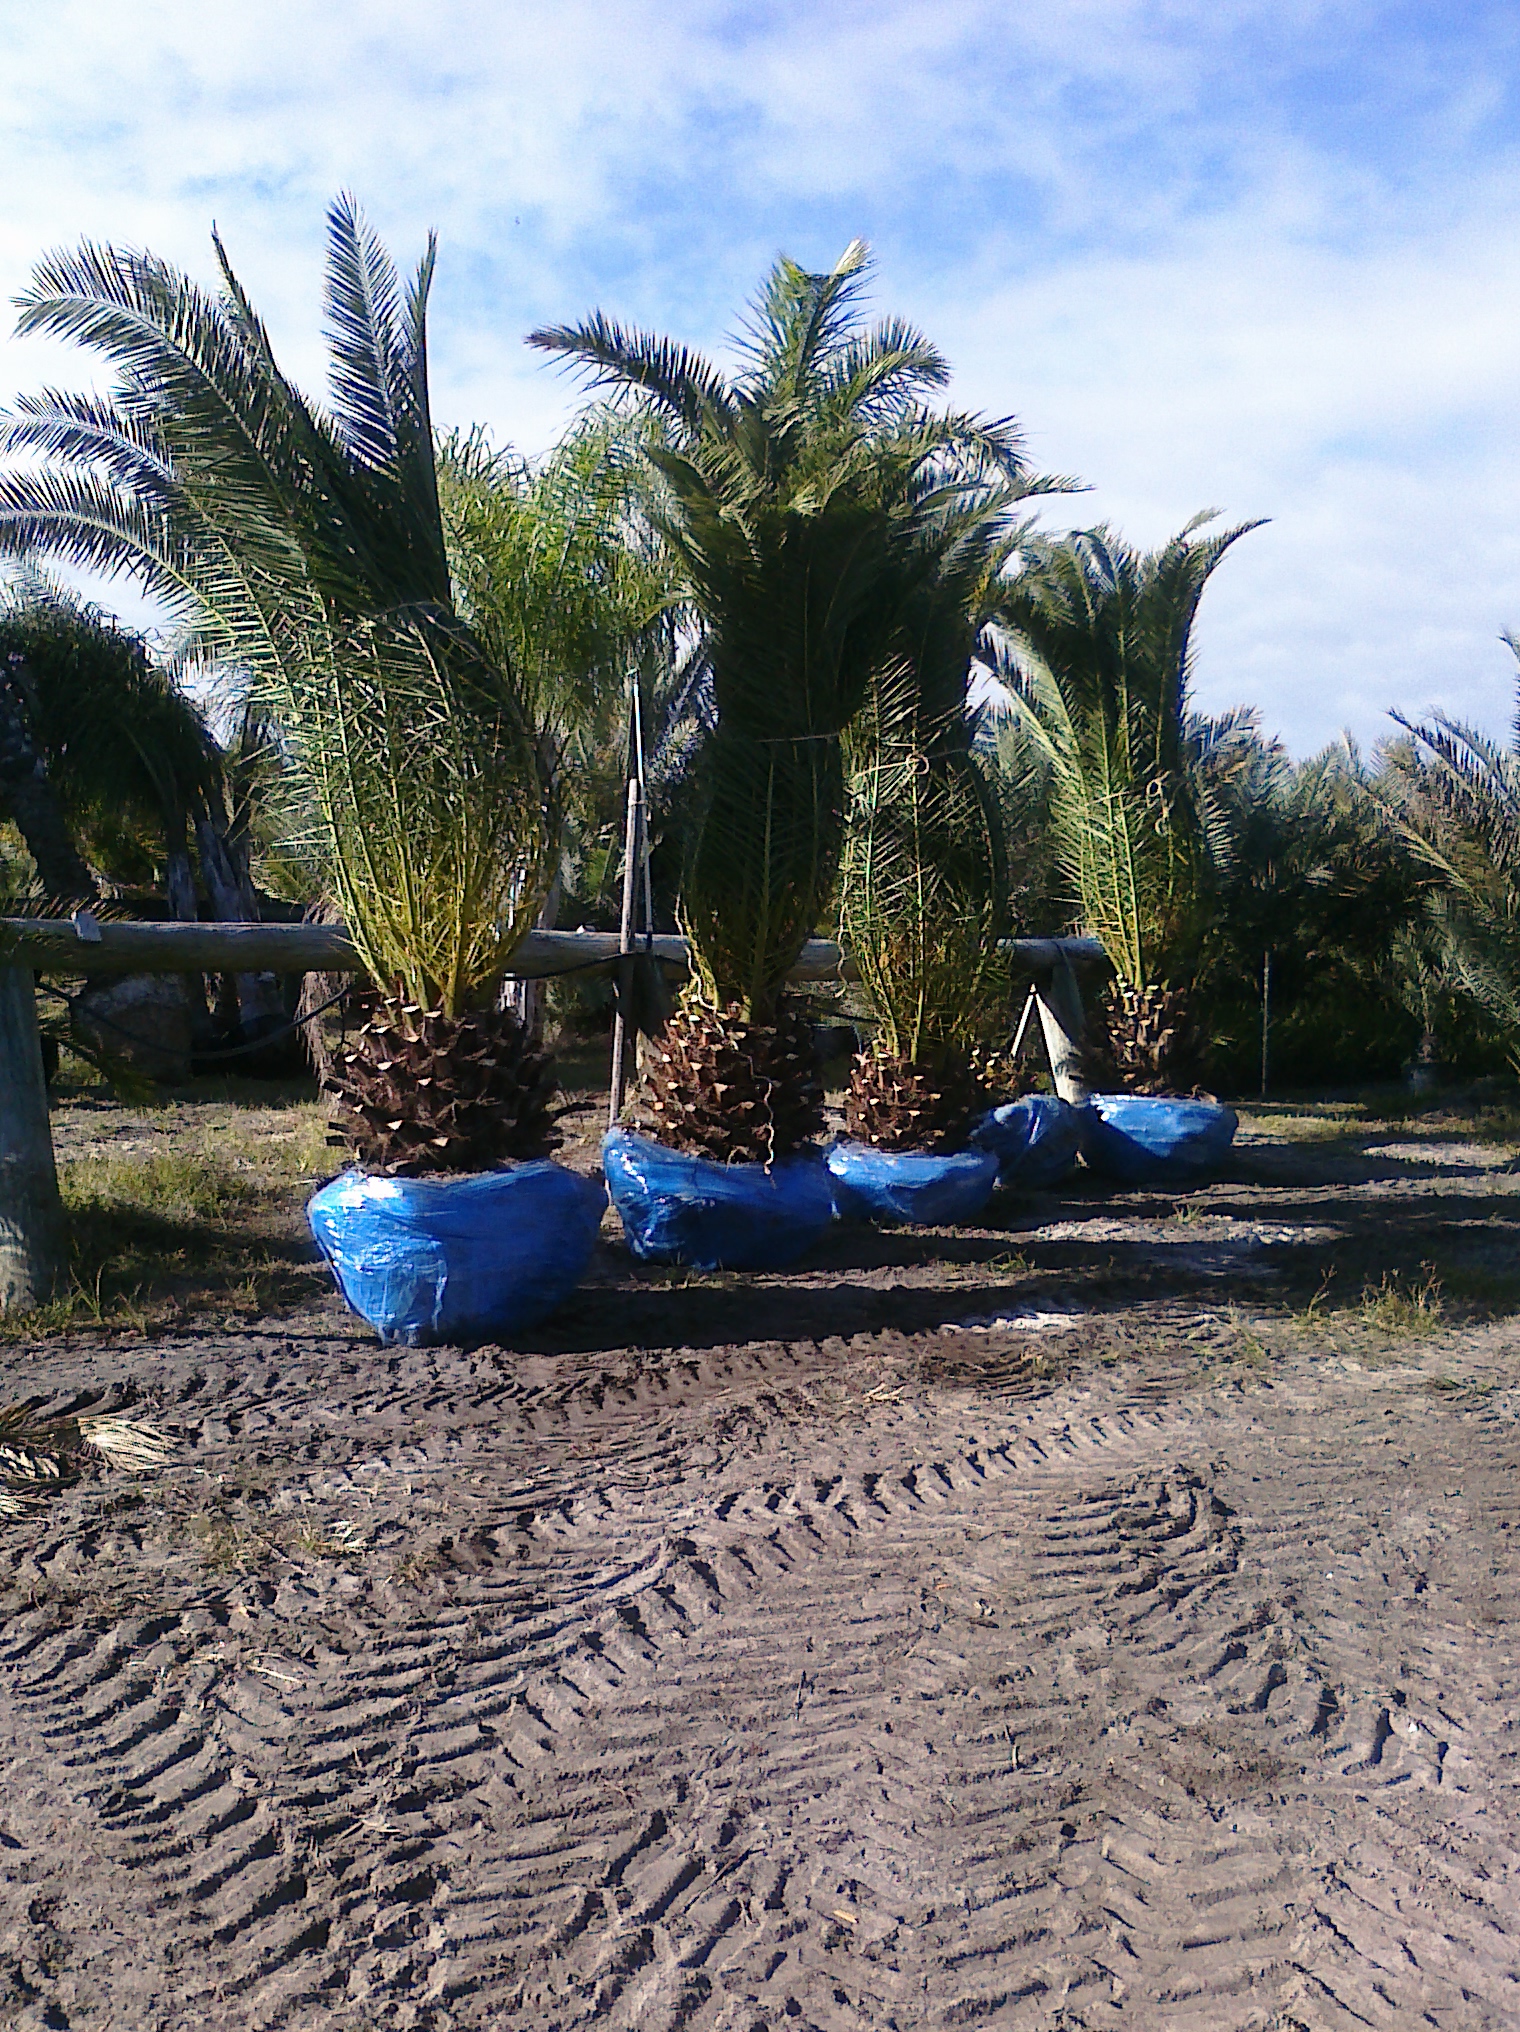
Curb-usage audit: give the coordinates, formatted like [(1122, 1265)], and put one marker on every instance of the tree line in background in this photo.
[(876, 699)]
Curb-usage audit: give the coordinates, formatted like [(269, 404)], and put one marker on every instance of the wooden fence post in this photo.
[(31, 1213), (1059, 1001)]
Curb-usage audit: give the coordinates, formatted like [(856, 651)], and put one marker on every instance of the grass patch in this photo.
[(1399, 1306), (1402, 1307), (1460, 1389), (186, 1208), (1251, 1351), (319, 1541), (1491, 1118)]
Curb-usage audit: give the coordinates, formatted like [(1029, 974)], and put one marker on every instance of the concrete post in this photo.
[(31, 1213)]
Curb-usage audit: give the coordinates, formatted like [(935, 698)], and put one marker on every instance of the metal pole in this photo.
[(625, 945), (31, 1213), (1028, 1010), (638, 762), (1266, 1014)]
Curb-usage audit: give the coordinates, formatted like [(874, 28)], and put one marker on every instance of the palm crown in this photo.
[(793, 497), (304, 548), (1454, 794), (1098, 637)]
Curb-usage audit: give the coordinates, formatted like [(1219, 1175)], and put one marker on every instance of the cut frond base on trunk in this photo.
[(716, 1086), (418, 1092), (912, 1104), (1143, 1041)]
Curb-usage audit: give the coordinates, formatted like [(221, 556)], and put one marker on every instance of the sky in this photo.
[(1263, 258)]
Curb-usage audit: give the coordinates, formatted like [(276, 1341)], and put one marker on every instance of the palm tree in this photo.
[(925, 897), (563, 581), (1454, 795), (1312, 907), (28, 796), (1099, 649), (305, 549), (790, 497)]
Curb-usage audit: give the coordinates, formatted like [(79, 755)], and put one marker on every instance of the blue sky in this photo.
[(1264, 258)]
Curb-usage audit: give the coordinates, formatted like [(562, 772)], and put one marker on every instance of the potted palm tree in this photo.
[(785, 497), (925, 897), (1100, 638), (306, 550)]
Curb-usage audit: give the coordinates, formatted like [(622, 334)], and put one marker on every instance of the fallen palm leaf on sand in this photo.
[(37, 1452)]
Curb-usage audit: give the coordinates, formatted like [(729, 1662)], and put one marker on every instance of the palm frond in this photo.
[(307, 552), (39, 1453), (1099, 642), (363, 305), (680, 381)]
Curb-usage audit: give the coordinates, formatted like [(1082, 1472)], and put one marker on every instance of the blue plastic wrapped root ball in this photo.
[(1035, 1140), (910, 1186), (680, 1209), (467, 1259), (1145, 1139)]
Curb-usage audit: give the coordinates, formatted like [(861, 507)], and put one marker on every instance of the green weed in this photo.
[(1402, 1307), (1463, 1388)]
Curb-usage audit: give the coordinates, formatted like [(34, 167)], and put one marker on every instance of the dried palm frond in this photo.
[(38, 1452)]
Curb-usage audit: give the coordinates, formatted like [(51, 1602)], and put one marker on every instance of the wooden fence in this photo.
[(31, 1223)]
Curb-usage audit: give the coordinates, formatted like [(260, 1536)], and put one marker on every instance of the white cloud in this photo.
[(1365, 402), (1262, 256)]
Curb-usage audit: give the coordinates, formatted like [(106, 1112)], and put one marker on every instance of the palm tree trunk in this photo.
[(261, 1007), (31, 1213), (27, 797), (179, 887)]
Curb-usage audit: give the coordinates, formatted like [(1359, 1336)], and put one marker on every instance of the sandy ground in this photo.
[(1060, 1624)]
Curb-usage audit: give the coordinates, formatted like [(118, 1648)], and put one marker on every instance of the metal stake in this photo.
[(635, 856)]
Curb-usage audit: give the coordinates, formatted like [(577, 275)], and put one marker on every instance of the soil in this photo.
[(1074, 1622)]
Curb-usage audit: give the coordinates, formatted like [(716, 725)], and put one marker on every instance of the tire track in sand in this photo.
[(1045, 1725)]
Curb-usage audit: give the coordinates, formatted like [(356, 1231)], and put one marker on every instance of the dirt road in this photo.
[(937, 1637)]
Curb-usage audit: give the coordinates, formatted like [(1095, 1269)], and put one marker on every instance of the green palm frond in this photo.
[(925, 899), (679, 381), (555, 568), (307, 552), (425, 800), (129, 449), (1100, 646), (1454, 795), (924, 891)]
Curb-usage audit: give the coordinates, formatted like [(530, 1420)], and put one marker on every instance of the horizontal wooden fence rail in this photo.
[(85, 946)]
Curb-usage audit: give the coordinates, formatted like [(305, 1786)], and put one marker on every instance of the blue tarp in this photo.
[(680, 1209), (473, 1258), (909, 1185), (1143, 1139), (1035, 1140)]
